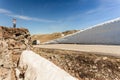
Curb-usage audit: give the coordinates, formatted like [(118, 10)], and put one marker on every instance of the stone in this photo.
[(12, 42), (105, 58)]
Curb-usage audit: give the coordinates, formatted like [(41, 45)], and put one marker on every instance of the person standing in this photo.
[(14, 23)]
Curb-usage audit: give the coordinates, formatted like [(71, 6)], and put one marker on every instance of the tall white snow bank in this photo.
[(39, 68), (105, 33)]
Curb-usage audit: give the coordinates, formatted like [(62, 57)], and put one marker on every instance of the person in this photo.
[(14, 23)]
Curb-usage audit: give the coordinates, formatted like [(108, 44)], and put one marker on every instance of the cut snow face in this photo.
[(105, 33), (36, 67)]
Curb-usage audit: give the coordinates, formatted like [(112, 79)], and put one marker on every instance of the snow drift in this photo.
[(36, 67), (105, 33)]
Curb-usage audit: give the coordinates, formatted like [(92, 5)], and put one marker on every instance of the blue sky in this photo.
[(47, 16)]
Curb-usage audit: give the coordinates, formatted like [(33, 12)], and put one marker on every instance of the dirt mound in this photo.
[(47, 37), (82, 65), (13, 32), (12, 42), (69, 32)]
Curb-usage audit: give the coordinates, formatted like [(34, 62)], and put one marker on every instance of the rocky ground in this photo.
[(82, 65), (13, 41)]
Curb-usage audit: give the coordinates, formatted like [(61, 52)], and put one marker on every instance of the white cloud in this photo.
[(4, 11), (106, 6), (42, 20), (23, 17), (20, 17)]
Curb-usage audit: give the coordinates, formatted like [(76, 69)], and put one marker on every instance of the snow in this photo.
[(39, 68), (104, 33)]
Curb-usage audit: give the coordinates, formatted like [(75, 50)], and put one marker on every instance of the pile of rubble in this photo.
[(12, 42)]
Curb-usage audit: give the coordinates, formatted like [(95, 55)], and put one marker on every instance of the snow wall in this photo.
[(105, 33), (39, 68)]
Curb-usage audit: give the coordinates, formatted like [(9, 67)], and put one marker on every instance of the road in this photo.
[(110, 50)]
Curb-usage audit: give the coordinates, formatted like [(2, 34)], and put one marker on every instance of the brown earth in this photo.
[(47, 37), (83, 65), (12, 42)]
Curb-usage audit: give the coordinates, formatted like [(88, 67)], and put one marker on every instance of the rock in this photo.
[(3, 46), (105, 58), (13, 42), (5, 74), (94, 67)]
